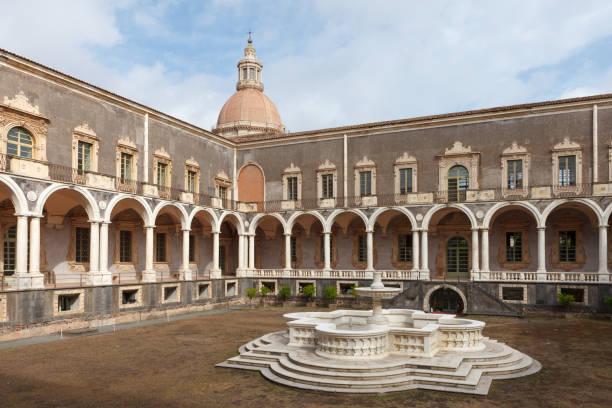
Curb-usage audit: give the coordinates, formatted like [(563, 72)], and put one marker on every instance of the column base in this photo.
[(29, 281), (482, 275), (424, 274), (101, 278), (541, 274), (215, 274), (148, 276)]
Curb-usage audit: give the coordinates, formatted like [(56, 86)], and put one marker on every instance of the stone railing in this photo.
[(542, 276)]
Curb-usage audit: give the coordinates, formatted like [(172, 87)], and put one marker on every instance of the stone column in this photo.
[(215, 272), (105, 277), (475, 254), (21, 253), (252, 251), (149, 275), (37, 278), (603, 249), (415, 251), (241, 255), (484, 268), (287, 251), (541, 273), (185, 271), (424, 256), (370, 240), (94, 250), (327, 250)]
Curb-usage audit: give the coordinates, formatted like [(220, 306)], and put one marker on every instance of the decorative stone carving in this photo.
[(405, 161), (458, 148), (458, 155), (21, 102), (31, 196), (102, 205), (566, 148), (515, 152)]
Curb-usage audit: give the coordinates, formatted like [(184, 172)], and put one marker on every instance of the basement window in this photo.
[(230, 288), (577, 293), (512, 293), (129, 297), (203, 290), (67, 303), (271, 285), (171, 294), (346, 288)]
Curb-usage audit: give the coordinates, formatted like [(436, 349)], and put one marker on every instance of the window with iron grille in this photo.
[(567, 246), (362, 249), (82, 244), (19, 142), (125, 246), (365, 183), (293, 245), (84, 155), (567, 171), (514, 247), (191, 248), (327, 186), (160, 252), (126, 167), (292, 188), (515, 174), (405, 181), (404, 253)]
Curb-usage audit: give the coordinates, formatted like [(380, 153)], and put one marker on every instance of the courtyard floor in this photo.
[(171, 364)]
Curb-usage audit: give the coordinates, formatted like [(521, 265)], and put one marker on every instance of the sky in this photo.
[(326, 63)]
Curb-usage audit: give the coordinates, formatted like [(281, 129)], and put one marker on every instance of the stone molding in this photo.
[(566, 148), (85, 134), (515, 152), (458, 155), (405, 161), (292, 171)]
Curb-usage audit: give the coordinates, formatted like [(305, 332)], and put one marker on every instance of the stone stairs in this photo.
[(460, 372)]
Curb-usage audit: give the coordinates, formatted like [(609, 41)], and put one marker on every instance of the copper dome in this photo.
[(249, 107)]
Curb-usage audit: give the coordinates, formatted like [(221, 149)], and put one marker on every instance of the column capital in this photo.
[(541, 228), (186, 229), (484, 229), (603, 226), (22, 215), (148, 226)]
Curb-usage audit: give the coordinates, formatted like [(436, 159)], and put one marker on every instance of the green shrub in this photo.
[(354, 292), (264, 290), (251, 293), (284, 292), (565, 299), (308, 291), (608, 301), (330, 293)]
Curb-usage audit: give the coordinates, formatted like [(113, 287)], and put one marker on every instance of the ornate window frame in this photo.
[(18, 111), (458, 155), (327, 168), (292, 171), (515, 152), (125, 145), (192, 165), (85, 134), (523, 228), (566, 148), (405, 161), (223, 180), (162, 156), (364, 164)]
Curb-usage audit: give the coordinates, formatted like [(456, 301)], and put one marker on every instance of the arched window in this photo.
[(458, 183), (20, 142), (457, 258)]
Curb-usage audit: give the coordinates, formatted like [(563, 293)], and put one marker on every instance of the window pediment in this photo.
[(566, 144), (292, 169), (126, 143), (514, 149), (327, 166), (162, 153), (21, 103)]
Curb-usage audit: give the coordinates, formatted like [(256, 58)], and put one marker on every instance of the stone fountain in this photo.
[(378, 351)]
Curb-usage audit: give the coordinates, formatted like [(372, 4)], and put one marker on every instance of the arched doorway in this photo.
[(251, 185), (457, 258), (446, 300), (458, 183)]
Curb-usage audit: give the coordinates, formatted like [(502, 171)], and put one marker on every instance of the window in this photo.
[(457, 258), (171, 294), (404, 253), (222, 263), (191, 248), (327, 184), (84, 155), (577, 293), (252, 73), (365, 183), (82, 244), (244, 73), (292, 188), (129, 297), (458, 183), (191, 181), (19, 143), (514, 293), (126, 167), (567, 171), (362, 249), (514, 247), (10, 246), (162, 172), (223, 193), (293, 244), (66, 303), (405, 181), (567, 246), (203, 290), (160, 249), (346, 288), (515, 174), (125, 246)]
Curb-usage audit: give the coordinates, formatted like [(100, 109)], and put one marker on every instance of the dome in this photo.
[(249, 108)]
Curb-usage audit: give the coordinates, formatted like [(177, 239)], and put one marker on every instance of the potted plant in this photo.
[(263, 292), (284, 293), (251, 293), (309, 291), (565, 300), (330, 294)]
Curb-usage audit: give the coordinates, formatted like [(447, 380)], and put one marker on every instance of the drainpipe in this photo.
[(145, 161)]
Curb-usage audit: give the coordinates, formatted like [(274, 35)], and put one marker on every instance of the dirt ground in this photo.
[(172, 365)]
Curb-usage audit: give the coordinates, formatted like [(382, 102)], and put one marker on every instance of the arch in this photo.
[(295, 216), (444, 286), (240, 223), (145, 213), (180, 209), (208, 211), (251, 183), (36, 138), (606, 214), (526, 205), (331, 218), (17, 197), (255, 221), (583, 201), (461, 207), (90, 204), (381, 210)]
